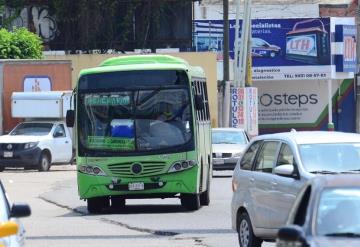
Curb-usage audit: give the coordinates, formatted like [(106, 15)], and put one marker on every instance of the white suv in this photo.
[(272, 171)]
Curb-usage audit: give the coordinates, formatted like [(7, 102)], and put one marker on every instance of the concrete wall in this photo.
[(14, 73), (206, 60)]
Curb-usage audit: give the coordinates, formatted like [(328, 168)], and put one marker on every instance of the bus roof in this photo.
[(144, 62)]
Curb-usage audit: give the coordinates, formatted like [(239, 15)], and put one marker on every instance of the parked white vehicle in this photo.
[(36, 145), (43, 139), (228, 144), (273, 170)]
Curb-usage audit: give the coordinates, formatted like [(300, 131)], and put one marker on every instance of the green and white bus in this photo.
[(143, 131)]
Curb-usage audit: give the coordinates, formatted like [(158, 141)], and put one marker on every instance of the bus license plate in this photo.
[(136, 186), (8, 154)]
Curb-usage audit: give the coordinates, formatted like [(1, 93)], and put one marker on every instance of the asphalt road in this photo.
[(59, 218)]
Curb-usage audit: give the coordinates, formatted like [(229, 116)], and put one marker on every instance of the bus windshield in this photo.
[(135, 120)]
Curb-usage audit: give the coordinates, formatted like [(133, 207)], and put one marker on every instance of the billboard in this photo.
[(303, 105), (282, 49)]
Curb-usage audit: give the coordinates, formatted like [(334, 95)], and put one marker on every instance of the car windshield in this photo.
[(32, 129), (228, 137), (330, 157), (338, 212)]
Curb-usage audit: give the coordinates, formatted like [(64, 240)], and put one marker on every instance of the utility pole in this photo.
[(226, 40), (226, 83), (244, 99), (245, 51)]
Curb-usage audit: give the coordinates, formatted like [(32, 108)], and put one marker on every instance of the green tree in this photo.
[(20, 44)]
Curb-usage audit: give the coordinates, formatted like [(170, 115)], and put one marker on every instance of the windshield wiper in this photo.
[(323, 172), (344, 234)]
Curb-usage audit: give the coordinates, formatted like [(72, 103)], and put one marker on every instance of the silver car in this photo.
[(228, 144), (273, 170), (325, 214)]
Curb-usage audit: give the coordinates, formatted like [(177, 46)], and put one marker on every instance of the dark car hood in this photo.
[(335, 242)]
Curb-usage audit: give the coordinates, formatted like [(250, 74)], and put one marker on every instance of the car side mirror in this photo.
[(70, 118), (285, 170), (20, 210), (199, 104), (291, 235), (8, 228)]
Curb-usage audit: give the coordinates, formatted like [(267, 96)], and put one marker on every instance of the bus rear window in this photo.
[(125, 79)]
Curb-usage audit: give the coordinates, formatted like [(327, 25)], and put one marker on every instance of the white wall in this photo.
[(215, 11)]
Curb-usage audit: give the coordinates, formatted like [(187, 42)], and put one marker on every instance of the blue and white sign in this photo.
[(282, 49), (345, 40)]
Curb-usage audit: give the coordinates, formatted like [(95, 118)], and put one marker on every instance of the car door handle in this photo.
[(252, 180), (66, 141), (274, 184)]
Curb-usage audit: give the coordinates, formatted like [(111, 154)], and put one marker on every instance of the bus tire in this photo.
[(95, 205), (117, 202), (44, 163), (190, 201), (205, 196)]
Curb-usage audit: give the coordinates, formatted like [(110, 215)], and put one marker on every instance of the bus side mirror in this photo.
[(70, 118), (199, 104)]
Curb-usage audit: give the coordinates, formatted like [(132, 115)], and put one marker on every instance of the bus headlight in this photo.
[(92, 170), (182, 165)]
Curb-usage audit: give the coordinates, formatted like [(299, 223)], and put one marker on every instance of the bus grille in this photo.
[(126, 168)]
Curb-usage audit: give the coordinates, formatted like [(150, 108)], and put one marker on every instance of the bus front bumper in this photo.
[(161, 186)]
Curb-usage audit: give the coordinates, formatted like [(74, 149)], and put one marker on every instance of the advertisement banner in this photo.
[(293, 102), (282, 49), (251, 99), (237, 108), (345, 60)]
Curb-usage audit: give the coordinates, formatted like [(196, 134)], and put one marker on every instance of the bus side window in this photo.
[(196, 92), (206, 102)]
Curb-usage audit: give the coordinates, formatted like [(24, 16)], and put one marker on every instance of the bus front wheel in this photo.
[(190, 201), (96, 204), (117, 202), (205, 196)]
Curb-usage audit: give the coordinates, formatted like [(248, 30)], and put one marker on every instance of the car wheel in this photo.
[(73, 158), (245, 232), (2, 168), (117, 202), (95, 205), (190, 201), (44, 163)]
